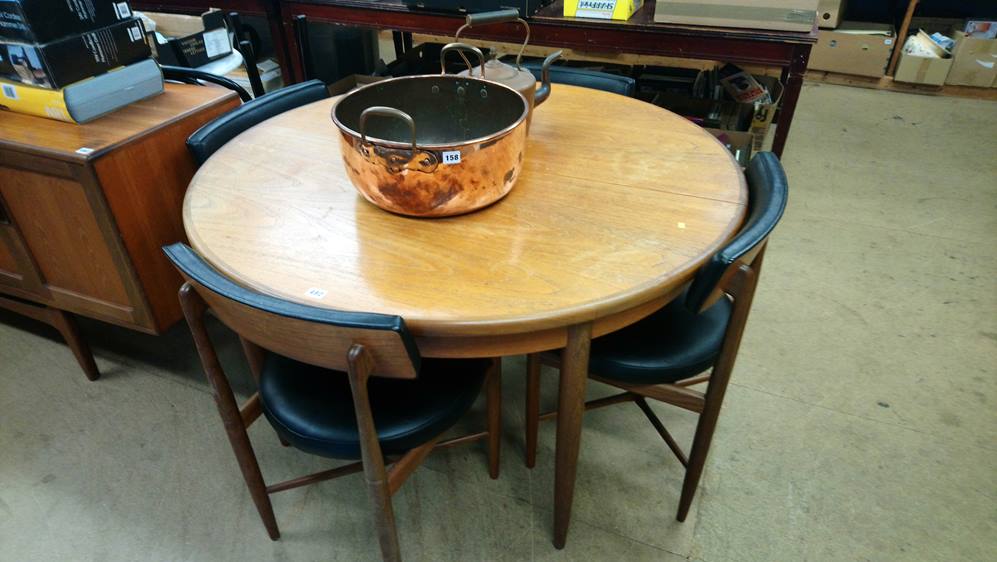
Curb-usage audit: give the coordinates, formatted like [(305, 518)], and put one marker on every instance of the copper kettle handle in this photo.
[(543, 92), (498, 16), (460, 48)]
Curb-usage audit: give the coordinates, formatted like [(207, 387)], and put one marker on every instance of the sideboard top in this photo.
[(68, 141)]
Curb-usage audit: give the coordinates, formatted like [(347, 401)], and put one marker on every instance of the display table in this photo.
[(609, 220), (640, 34)]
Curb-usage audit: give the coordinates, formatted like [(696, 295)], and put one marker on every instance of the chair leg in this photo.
[(532, 407), (378, 489), (254, 478), (384, 519), (193, 309), (494, 383)]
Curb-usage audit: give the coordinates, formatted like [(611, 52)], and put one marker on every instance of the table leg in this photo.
[(793, 83), (570, 408)]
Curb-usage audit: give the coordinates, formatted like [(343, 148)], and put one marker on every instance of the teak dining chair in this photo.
[(215, 133), (343, 385), (666, 353)]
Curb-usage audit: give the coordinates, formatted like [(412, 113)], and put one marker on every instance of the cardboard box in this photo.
[(602, 9), (918, 69), (738, 143), (43, 21), (784, 15), (764, 113), (981, 29), (270, 76), (190, 41), (63, 62), (830, 13), (974, 62), (854, 48)]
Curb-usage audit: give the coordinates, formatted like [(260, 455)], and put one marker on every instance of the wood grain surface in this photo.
[(57, 139), (618, 203)]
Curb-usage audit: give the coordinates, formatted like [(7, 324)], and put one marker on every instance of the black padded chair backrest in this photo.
[(623, 85), (317, 336), (767, 194), (210, 137), (194, 76)]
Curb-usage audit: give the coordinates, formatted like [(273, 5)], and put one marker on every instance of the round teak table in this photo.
[(617, 205)]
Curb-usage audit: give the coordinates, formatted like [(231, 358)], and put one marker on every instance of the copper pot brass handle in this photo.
[(460, 48), (393, 159), (498, 16), (382, 111), (543, 92)]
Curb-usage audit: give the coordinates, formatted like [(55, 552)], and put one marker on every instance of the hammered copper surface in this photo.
[(486, 173), (484, 122)]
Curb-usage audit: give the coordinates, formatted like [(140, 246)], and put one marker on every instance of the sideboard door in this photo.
[(73, 243), (16, 268)]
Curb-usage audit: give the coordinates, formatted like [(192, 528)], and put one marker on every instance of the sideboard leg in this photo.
[(61, 320), (66, 324)]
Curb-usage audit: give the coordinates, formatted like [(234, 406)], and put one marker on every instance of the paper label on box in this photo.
[(121, 8), (600, 9), (9, 91), (451, 157), (135, 33), (888, 41), (216, 43)]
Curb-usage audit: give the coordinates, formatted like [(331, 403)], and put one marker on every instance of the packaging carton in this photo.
[(764, 113), (71, 59), (43, 21), (854, 48), (784, 15), (87, 99), (601, 9), (830, 13), (974, 62), (738, 143), (191, 41), (919, 69)]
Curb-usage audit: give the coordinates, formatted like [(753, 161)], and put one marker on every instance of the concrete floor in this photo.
[(860, 424)]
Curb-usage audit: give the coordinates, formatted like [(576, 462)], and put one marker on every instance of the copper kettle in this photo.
[(516, 77)]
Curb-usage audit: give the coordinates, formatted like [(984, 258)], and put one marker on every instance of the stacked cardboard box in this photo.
[(974, 58), (785, 15), (856, 48), (48, 48)]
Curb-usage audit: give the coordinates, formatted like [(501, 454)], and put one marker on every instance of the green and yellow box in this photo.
[(602, 9)]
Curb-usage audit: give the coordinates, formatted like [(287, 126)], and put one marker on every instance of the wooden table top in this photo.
[(62, 140), (618, 204)]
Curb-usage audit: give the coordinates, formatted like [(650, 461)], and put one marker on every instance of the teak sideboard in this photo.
[(85, 209)]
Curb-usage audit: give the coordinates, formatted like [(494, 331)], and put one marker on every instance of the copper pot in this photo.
[(433, 145)]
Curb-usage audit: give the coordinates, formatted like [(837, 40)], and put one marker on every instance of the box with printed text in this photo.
[(60, 63), (43, 21)]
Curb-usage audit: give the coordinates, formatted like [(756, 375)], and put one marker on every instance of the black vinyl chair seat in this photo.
[(623, 85), (672, 344), (312, 408)]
